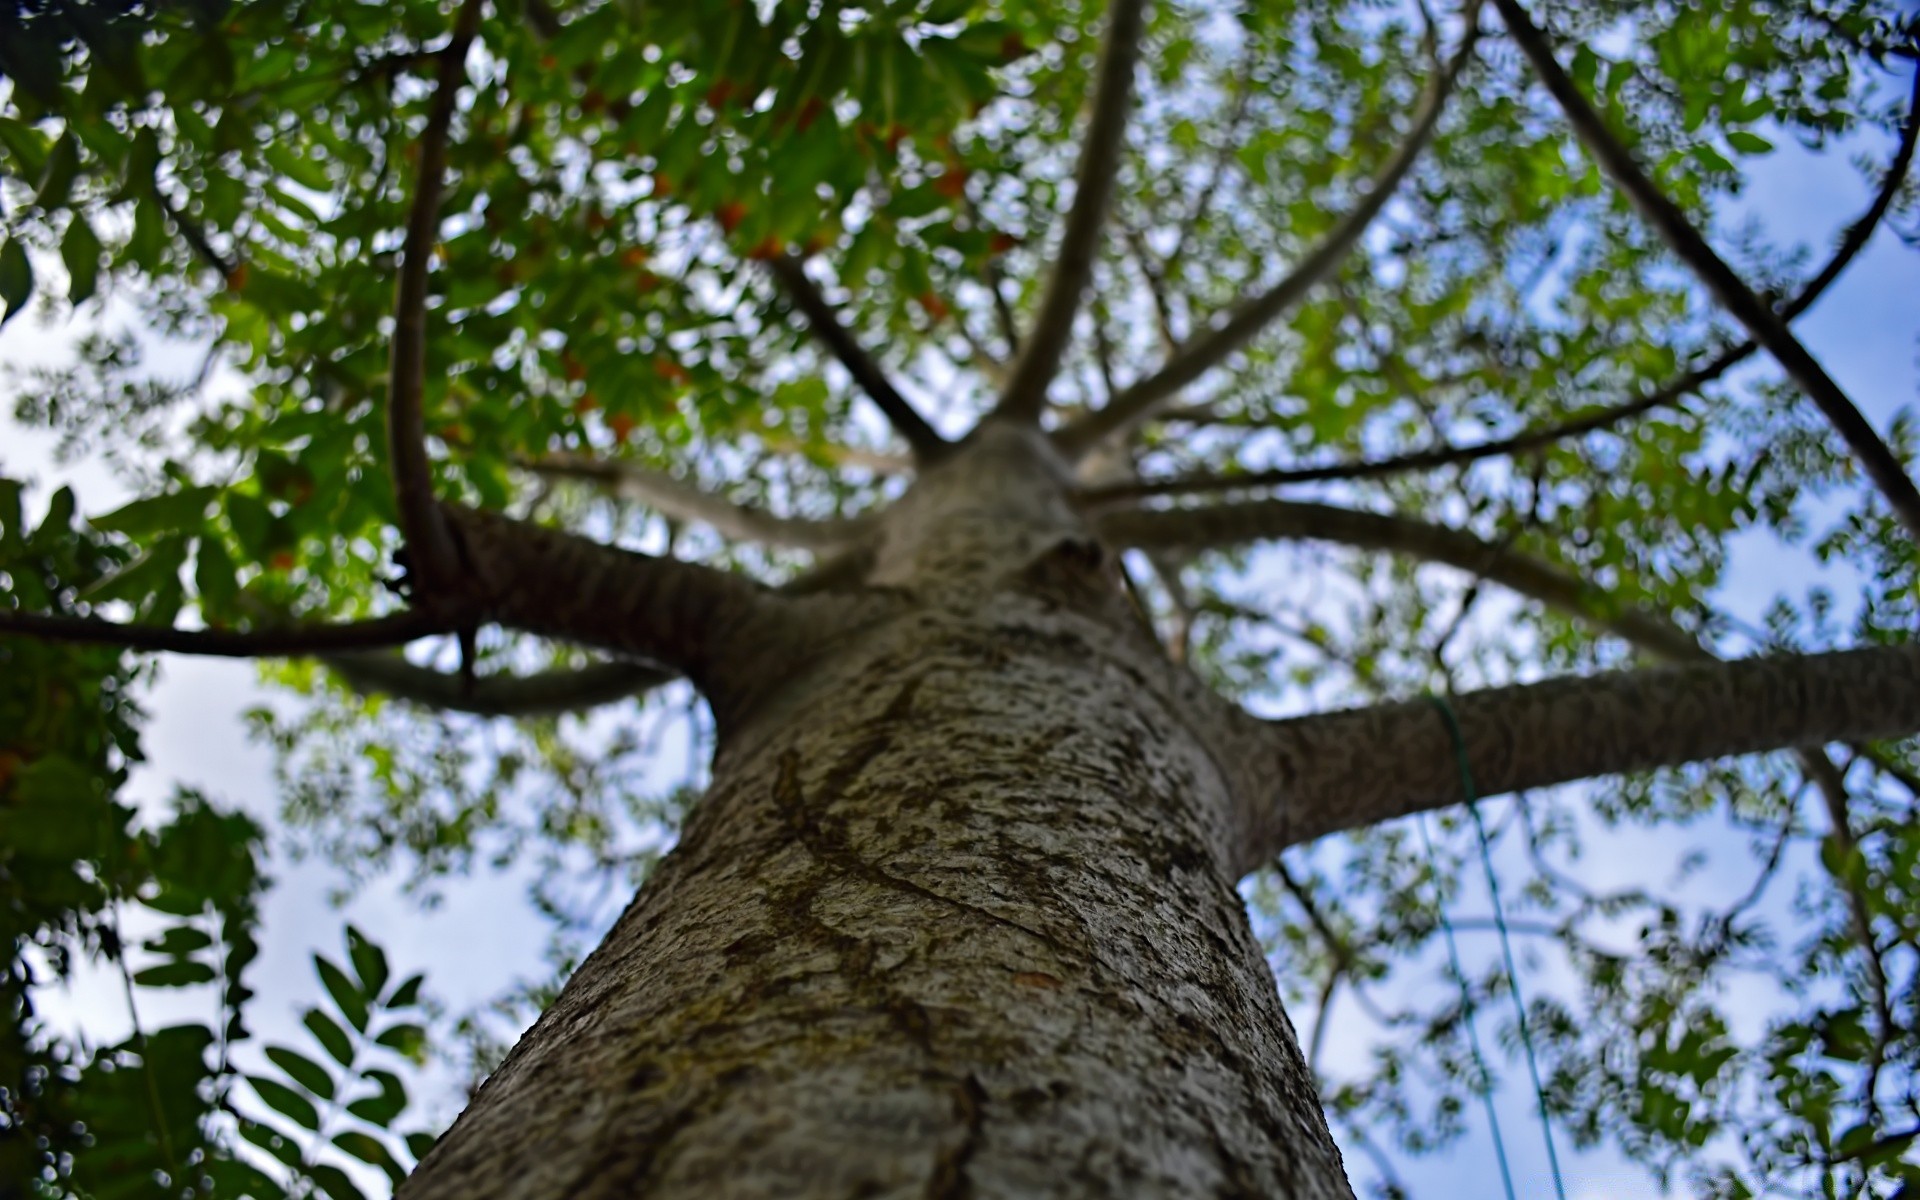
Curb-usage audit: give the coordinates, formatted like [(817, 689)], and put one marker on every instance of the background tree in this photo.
[(506, 283)]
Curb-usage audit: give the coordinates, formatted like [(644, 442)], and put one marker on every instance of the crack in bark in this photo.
[(950, 1181), (829, 846)]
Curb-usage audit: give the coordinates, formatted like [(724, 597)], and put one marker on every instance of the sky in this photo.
[(484, 936)]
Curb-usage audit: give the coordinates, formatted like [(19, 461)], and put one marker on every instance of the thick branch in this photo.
[(546, 693), (544, 581), (681, 501), (292, 642), (1203, 353), (1025, 396), (1734, 295), (1336, 771), (791, 274), (432, 552)]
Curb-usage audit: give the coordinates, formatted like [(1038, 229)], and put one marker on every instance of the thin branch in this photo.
[(1316, 775), (1217, 172), (1025, 396), (994, 280), (1207, 351), (1156, 290), (545, 693), (1765, 326), (1857, 235), (791, 274), (681, 501), (430, 547), (295, 641), (1238, 524), (1832, 786)]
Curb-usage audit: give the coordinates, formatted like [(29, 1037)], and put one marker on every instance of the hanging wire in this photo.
[(1506, 943), (1485, 1080)]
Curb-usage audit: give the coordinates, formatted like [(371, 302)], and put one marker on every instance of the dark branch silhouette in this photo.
[(1203, 353), (1857, 235), (294, 641), (925, 441), (432, 550), (1765, 325)]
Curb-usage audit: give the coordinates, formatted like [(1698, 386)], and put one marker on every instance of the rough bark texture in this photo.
[(955, 919), (1344, 770)]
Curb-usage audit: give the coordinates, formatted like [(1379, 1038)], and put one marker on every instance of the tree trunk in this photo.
[(952, 920)]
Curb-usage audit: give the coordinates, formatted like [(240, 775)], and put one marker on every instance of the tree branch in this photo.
[(1237, 524), (1733, 294), (295, 641), (681, 501), (1856, 236), (1203, 353), (682, 615), (1025, 396), (791, 274), (1645, 630), (432, 553), (1334, 771), (545, 693)]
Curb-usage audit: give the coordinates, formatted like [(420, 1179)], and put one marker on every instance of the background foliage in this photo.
[(234, 177)]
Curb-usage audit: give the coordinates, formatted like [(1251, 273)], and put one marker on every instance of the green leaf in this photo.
[(185, 973), (352, 1004), (175, 511), (369, 963), (407, 994), (303, 1071), (381, 1109), (287, 1102), (419, 1143), (16, 278), (81, 252), (330, 1035), (408, 1039), (369, 1149), (180, 940), (335, 1183), (1749, 143), (215, 578), (63, 166), (26, 147)]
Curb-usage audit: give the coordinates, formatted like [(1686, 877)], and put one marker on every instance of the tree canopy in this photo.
[(1445, 301)]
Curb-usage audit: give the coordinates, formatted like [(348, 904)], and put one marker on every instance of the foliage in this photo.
[(231, 180), (156, 1114)]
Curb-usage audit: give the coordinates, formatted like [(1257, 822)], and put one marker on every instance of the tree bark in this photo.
[(954, 919)]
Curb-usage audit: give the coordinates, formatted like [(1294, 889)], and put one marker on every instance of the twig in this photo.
[(292, 642), (791, 274)]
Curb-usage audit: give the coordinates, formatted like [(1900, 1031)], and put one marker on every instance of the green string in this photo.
[(1506, 943), (1485, 1088)]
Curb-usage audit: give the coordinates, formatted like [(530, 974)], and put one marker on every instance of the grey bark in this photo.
[(955, 918), (1335, 771)]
